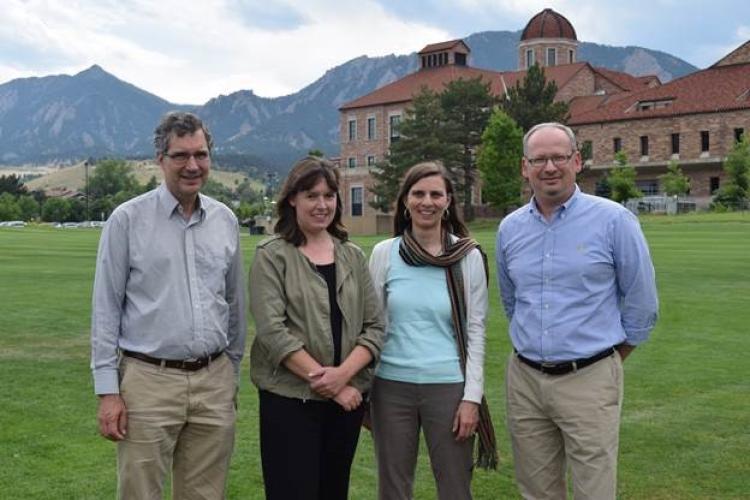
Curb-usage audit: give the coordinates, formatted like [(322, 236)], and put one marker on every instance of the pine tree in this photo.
[(533, 101)]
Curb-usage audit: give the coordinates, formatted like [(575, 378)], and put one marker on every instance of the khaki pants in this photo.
[(559, 419), (398, 410), (178, 420)]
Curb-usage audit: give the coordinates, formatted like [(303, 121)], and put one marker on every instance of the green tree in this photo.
[(421, 140), (734, 193), (602, 188), (151, 184), (499, 161), (622, 180), (674, 182), (12, 184), (56, 210), (467, 106), (316, 153), (110, 177), (29, 207), (9, 207), (533, 101)]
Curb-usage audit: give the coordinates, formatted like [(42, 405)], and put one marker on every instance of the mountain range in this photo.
[(93, 114)]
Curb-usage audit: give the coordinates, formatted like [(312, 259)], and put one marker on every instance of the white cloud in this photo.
[(187, 52)]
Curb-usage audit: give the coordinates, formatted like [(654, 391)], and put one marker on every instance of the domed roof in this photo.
[(548, 24)]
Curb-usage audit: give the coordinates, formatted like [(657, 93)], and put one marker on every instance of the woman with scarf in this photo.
[(432, 282)]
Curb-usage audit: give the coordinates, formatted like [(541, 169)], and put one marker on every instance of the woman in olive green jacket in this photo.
[(319, 332)]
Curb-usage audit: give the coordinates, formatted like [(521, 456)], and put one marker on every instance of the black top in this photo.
[(328, 271)]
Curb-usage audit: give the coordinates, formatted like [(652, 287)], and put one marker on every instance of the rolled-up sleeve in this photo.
[(112, 267), (268, 306)]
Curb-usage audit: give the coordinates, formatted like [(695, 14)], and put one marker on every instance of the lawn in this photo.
[(685, 419)]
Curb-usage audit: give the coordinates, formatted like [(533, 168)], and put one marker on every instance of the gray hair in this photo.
[(179, 123), (536, 128)]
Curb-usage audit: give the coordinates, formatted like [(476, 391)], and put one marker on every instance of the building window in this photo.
[(357, 194), (714, 184), (617, 144), (587, 151), (648, 187), (371, 160), (529, 58), (352, 129), (705, 142), (675, 144), (371, 128), (551, 56), (738, 132), (571, 56), (351, 162), (393, 125), (644, 145)]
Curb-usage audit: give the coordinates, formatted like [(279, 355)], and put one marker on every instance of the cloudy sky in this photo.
[(188, 52)]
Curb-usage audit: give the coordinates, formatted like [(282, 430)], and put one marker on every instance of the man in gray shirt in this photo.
[(168, 325)]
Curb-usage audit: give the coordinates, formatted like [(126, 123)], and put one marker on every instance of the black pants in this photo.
[(306, 447)]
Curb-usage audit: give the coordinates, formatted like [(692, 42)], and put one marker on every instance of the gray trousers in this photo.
[(398, 411)]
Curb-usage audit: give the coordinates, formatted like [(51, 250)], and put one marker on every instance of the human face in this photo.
[(426, 202), (552, 185), (314, 208), (184, 180)]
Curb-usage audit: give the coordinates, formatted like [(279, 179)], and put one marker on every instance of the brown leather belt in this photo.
[(563, 367), (184, 364)]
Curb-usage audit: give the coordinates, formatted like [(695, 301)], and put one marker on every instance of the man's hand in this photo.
[(349, 398), (328, 381), (624, 350), (113, 417), (466, 420)]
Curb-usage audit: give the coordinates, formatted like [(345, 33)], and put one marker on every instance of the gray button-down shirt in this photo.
[(165, 286)]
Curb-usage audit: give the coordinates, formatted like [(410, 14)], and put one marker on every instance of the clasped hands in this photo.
[(332, 382)]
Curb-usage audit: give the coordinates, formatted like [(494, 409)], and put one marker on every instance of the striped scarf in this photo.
[(414, 255)]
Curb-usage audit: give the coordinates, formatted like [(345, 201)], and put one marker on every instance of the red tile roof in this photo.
[(548, 24), (626, 81), (435, 79), (719, 88)]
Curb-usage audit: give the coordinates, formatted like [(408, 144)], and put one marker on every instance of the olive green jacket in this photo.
[(289, 301)]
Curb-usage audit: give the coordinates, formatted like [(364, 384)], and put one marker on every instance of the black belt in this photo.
[(185, 364), (564, 367)]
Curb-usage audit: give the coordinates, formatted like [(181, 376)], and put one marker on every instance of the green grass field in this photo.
[(686, 419)]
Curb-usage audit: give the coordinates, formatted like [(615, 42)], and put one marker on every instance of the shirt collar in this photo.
[(564, 208), (169, 204)]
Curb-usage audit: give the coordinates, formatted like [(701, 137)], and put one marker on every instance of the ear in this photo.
[(524, 169), (578, 162)]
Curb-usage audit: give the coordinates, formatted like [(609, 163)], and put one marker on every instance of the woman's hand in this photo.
[(328, 381), (349, 398), (466, 420)]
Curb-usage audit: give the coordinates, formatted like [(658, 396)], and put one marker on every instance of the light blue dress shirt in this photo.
[(577, 284), (165, 286)]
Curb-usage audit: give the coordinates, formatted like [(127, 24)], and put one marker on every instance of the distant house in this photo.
[(63, 192), (610, 110)]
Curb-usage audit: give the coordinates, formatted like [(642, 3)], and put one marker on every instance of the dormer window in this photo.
[(653, 104)]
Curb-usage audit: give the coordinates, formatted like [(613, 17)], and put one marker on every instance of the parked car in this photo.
[(12, 223)]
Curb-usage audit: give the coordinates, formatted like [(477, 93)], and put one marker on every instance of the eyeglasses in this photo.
[(557, 160), (182, 157)]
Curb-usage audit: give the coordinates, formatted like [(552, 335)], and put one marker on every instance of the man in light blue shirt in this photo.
[(578, 287), (168, 326)]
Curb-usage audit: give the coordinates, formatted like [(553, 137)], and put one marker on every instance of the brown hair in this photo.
[(179, 124), (304, 175), (416, 173)]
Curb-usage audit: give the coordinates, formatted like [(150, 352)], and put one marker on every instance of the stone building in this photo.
[(694, 119)]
